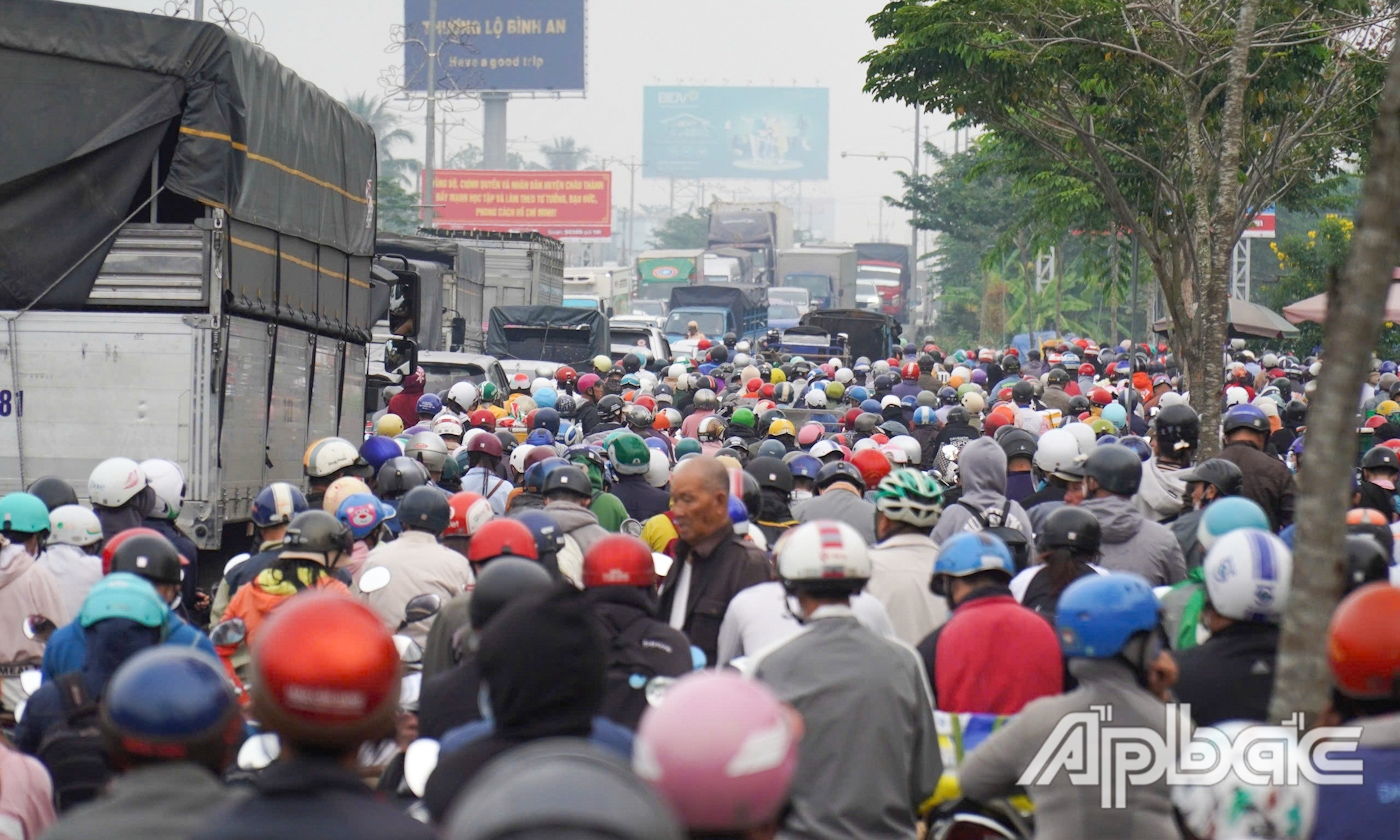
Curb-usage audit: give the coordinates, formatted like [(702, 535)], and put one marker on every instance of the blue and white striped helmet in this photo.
[(1247, 575)]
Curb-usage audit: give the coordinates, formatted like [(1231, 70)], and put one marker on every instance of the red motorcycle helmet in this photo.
[(910, 370), (753, 385), (539, 453), (702, 344), (502, 538), (618, 560), (482, 419), (873, 465), (1100, 396), (325, 672), (1086, 369), (470, 511), (849, 421), (565, 376), (485, 444), (1363, 643), (110, 549), (766, 391)]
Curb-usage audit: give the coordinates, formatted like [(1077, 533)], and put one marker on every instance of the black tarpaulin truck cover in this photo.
[(88, 96), (547, 333)]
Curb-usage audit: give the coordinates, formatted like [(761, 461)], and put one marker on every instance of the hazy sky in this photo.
[(340, 45)]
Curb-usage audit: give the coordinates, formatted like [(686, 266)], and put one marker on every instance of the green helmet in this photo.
[(451, 470), (966, 387), (629, 454), (489, 392), (124, 595), (835, 390), (24, 513), (743, 417), (687, 446), (911, 497)]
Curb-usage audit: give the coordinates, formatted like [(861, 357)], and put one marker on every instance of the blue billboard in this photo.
[(500, 45), (773, 133)]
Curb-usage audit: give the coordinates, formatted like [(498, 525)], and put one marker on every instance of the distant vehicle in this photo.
[(867, 295), (587, 302), (445, 369), (762, 227), (653, 309), (887, 263), (612, 285), (627, 337), (658, 272), (782, 316), (635, 321), (722, 269), (827, 272), (716, 310), (525, 337), (795, 295)]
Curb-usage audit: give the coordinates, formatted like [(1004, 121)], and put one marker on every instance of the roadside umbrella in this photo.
[(1315, 307), (1251, 319)]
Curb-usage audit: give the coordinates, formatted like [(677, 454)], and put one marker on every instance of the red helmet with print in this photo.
[(910, 370), (565, 375), (618, 560), (469, 512)]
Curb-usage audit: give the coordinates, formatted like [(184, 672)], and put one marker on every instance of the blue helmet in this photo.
[(171, 703), (539, 471), (1106, 440), (1229, 514), (570, 434), (1098, 614), (908, 401), (857, 394), (738, 514), (970, 553), (549, 537), (546, 397), (1138, 445), (378, 449), (429, 404), (279, 502), (362, 513), (803, 465), (872, 406), (547, 418), (540, 437), (1245, 417), (124, 595), (924, 416)]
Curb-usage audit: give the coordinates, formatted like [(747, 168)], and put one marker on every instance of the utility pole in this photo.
[(430, 67), (199, 9), (631, 165), (913, 217)]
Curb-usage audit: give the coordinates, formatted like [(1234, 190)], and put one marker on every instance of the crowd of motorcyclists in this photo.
[(745, 595)]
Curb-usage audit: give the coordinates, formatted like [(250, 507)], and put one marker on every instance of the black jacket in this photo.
[(450, 699), (190, 552), (1051, 492), (306, 796), (637, 647), (774, 515), (1266, 481), (641, 499), (723, 565), (1231, 675), (586, 415), (927, 436), (954, 431)]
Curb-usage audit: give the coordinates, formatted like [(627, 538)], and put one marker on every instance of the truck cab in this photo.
[(716, 310)]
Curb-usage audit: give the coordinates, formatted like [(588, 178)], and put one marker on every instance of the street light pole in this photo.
[(913, 217)]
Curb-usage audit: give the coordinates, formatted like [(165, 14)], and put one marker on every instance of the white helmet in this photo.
[(517, 457), (115, 481), (1247, 575), (845, 375), (1235, 395), (540, 382), (815, 398), (74, 525), (659, 470), (447, 425), (463, 394), (823, 448), (1058, 449), (675, 372), (748, 372), (1084, 436), (834, 362), (741, 359), (911, 446), (890, 401), (1270, 360), (962, 373), (824, 551), (168, 480), (863, 444), (544, 370), (329, 455), (879, 366), (427, 448), (974, 402), (743, 346), (682, 381), (895, 454), (1315, 369)]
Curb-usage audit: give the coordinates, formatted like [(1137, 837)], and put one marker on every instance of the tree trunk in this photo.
[(1355, 307)]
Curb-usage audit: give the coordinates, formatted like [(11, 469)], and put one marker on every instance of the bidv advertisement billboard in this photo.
[(498, 45), (772, 133), (564, 205)]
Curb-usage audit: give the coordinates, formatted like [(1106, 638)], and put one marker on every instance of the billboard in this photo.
[(772, 133), (1262, 226), (501, 45), (564, 205)]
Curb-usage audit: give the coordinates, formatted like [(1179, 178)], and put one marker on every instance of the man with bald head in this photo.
[(712, 562)]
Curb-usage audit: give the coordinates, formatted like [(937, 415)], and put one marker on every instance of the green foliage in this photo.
[(395, 207), (564, 153), (471, 156), (388, 133), (1306, 262), (688, 230)]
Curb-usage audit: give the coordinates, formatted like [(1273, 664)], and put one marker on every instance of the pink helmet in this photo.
[(810, 433), (721, 750), (588, 380)]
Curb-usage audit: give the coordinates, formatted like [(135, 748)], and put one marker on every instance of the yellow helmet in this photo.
[(777, 376), (781, 426), (602, 364), (389, 425), (1387, 408)]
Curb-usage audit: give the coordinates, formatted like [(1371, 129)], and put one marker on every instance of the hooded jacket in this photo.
[(982, 475), (74, 570), (900, 570), (774, 515), (171, 799), (418, 565), (130, 515), (26, 588), (542, 668), (641, 500), (405, 402), (1229, 676), (1131, 543), (67, 647), (635, 643), (1159, 497), (273, 585), (581, 530)]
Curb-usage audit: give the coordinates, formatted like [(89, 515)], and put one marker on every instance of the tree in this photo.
[(388, 133), (396, 207), (686, 231), (563, 153), (471, 156), (1186, 116)]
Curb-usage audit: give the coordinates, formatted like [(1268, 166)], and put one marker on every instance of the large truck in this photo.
[(658, 272), (452, 289), (761, 227), (522, 269), (607, 288), (885, 265), (827, 272), (717, 310), (521, 337), (193, 279)]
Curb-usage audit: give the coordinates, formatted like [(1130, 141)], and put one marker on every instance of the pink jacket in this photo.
[(26, 795)]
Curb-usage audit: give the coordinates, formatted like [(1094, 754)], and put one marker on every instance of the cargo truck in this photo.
[(716, 310), (522, 269), (658, 272), (607, 288), (761, 227), (196, 279), (827, 272), (885, 265)]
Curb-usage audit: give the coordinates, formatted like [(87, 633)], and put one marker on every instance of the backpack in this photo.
[(628, 672), (995, 523), (72, 750)]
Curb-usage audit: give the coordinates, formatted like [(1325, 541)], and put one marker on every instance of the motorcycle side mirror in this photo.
[(259, 751), (30, 680), (656, 689), (631, 527), (422, 607), (409, 651), (235, 561), (419, 762), (228, 633), (374, 579), (38, 628)]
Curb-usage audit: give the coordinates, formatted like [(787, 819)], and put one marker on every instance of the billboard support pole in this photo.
[(913, 217), (493, 141), (430, 116)]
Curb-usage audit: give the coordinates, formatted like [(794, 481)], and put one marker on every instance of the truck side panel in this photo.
[(325, 391), (244, 433), (288, 405), (352, 396)]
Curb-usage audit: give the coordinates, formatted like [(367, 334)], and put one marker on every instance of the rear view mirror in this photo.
[(227, 633), (374, 579), (458, 327), (400, 357), (422, 607), (403, 299), (38, 628)]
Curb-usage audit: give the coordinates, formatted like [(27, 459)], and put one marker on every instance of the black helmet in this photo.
[(1078, 404), (1221, 474), (958, 414), (751, 495), (1022, 392), (150, 556), (564, 404), (766, 418), (317, 532), (425, 509), (54, 492), (1058, 376), (631, 363), (1016, 442), (610, 408), (398, 476), (771, 474), (839, 471), (769, 448), (1366, 562), (1011, 364), (730, 339), (568, 479), (1380, 458), (1116, 468), (947, 395), (502, 581), (1070, 527), (1295, 412), (1178, 428)]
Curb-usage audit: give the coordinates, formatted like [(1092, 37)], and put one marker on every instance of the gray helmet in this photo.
[(398, 476), (1223, 475), (427, 448), (706, 399), (425, 509), (1116, 468), (317, 532), (866, 422)]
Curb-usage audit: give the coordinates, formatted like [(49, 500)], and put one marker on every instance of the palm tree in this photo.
[(563, 153), (388, 134)]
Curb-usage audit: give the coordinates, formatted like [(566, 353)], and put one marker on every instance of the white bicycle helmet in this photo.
[(895, 453), (823, 448), (168, 480), (115, 481), (1247, 575), (74, 525), (823, 551)]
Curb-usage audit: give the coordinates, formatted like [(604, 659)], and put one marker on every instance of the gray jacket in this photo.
[(843, 506), (170, 800), (1131, 543), (982, 474), (1160, 495), (869, 749), (1066, 811)]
